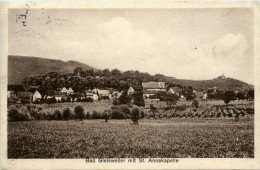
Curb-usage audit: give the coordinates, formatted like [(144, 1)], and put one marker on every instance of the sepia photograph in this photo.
[(109, 84)]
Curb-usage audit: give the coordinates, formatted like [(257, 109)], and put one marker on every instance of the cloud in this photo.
[(229, 44)]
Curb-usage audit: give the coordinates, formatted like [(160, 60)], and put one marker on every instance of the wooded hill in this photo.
[(51, 74), (21, 66)]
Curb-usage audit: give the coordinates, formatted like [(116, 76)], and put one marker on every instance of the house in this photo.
[(69, 91), (24, 95), (64, 90), (130, 91), (116, 94), (95, 90), (91, 95), (36, 96), (151, 101), (79, 96), (10, 94), (147, 94), (175, 90), (59, 96), (104, 94), (205, 96), (152, 85)]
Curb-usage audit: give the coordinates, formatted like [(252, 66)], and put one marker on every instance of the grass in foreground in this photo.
[(197, 138)]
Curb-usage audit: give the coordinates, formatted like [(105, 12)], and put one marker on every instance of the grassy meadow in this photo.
[(208, 132), (181, 138)]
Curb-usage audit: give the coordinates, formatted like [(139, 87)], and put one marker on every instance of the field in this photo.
[(175, 138)]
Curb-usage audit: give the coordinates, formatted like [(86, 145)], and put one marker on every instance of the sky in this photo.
[(197, 44)]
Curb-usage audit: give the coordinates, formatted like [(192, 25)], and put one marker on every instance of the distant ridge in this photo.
[(21, 66), (219, 83)]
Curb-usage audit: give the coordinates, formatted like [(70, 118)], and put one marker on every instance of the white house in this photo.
[(171, 91), (130, 91), (60, 95), (154, 86), (105, 94), (116, 94), (36, 96), (64, 90), (91, 95), (69, 91), (95, 97), (205, 96), (95, 91)]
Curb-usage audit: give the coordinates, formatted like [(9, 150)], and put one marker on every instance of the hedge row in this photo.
[(16, 113)]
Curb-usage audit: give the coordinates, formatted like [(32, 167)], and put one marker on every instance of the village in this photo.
[(150, 89), (152, 93)]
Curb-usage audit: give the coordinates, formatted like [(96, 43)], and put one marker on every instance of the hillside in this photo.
[(221, 84), (21, 66)]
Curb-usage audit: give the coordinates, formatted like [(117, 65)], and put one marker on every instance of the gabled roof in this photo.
[(103, 92), (153, 85), (36, 92), (64, 88), (176, 89), (70, 89), (131, 89)]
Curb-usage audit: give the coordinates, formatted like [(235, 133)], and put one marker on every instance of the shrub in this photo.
[(228, 96), (95, 115), (38, 114), (89, 100), (116, 102), (88, 115), (57, 115), (142, 114), (125, 109), (15, 114), (118, 114), (135, 115), (50, 115), (34, 113), (66, 114), (50, 100), (79, 111)]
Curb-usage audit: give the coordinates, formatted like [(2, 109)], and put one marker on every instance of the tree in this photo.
[(228, 96), (124, 98), (66, 114), (135, 115), (77, 70), (195, 104), (251, 94), (79, 111), (138, 98), (153, 110), (106, 72), (116, 72), (240, 96)]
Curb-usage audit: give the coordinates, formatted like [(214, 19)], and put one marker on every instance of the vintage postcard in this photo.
[(130, 85)]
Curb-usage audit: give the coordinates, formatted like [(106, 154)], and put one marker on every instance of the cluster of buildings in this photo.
[(61, 94), (150, 90)]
